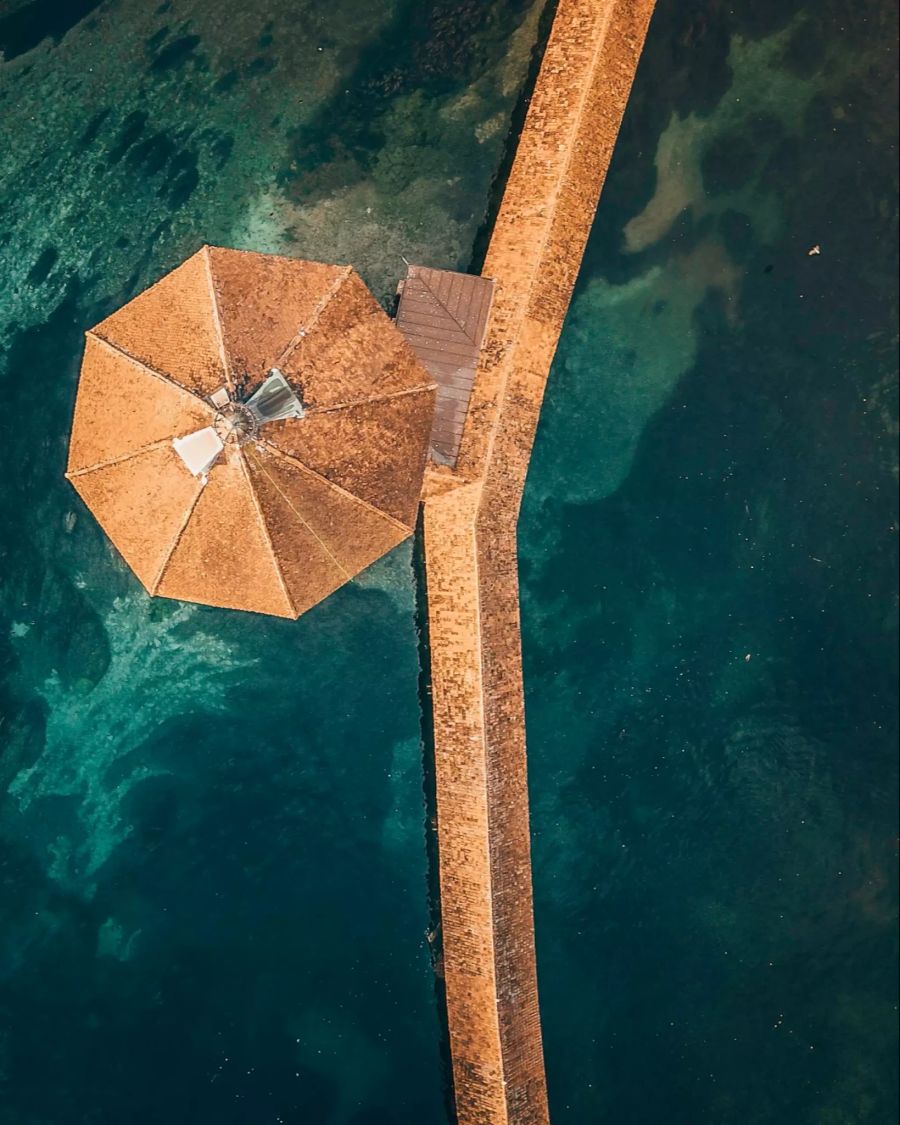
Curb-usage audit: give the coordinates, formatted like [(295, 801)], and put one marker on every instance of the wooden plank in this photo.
[(443, 315), (422, 343)]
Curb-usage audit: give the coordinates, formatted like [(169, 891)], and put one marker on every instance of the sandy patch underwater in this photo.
[(708, 547), (212, 826)]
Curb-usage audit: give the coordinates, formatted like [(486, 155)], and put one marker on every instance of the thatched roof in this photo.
[(288, 511)]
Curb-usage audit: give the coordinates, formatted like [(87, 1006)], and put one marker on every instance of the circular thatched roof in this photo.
[(284, 511)]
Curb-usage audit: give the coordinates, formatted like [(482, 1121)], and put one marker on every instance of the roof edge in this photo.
[(281, 257)]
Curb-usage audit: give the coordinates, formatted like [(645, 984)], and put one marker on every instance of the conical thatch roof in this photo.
[(289, 510)]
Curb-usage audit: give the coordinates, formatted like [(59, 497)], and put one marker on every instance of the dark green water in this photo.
[(213, 884), (213, 881), (709, 550)]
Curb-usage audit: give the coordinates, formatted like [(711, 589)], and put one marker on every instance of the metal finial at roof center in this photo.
[(235, 423), (239, 420), (175, 384)]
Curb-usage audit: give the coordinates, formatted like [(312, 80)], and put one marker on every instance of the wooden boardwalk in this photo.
[(444, 316), (470, 517)]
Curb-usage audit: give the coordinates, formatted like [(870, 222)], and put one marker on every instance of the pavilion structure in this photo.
[(253, 431)]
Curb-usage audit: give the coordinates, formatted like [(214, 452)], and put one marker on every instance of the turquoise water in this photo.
[(213, 883), (709, 556), (213, 872)]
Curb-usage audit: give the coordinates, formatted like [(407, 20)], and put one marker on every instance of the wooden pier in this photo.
[(471, 506), (444, 316)]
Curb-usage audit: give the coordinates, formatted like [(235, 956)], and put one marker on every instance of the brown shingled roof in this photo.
[(291, 512)]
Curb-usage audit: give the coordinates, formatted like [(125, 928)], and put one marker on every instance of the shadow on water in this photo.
[(517, 123), (23, 29), (432, 50)]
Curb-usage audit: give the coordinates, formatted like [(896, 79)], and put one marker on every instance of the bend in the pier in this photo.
[(470, 513)]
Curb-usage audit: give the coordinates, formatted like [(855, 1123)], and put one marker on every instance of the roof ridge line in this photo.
[(164, 566), (328, 551), (337, 488), (336, 287), (161, 375), (217, 316), (376, 401), (71, 474), (418, 276), (268, 538)]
